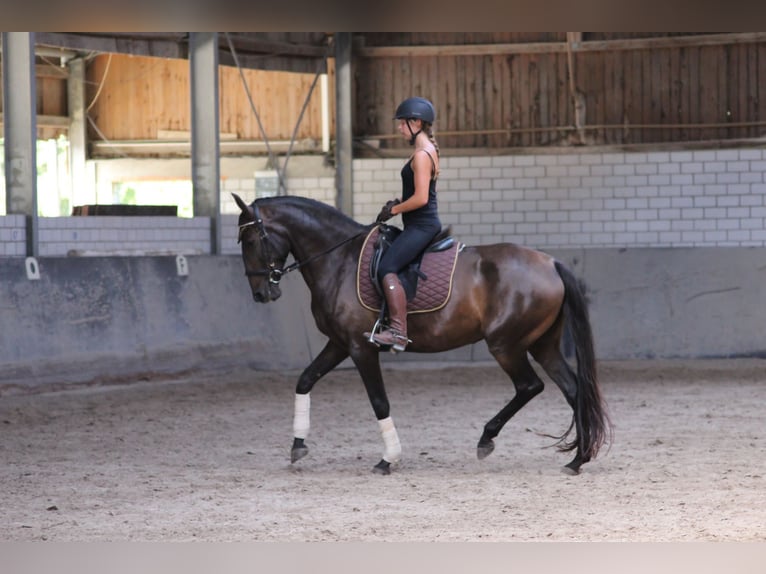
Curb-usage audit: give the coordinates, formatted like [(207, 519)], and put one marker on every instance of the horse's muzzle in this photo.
[(269, 293)]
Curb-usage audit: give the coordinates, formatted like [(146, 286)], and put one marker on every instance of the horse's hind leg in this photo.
[(527, 384), (548, 354), (327, 359)]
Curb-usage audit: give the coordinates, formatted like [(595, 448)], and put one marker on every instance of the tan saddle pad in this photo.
[(433, 290)]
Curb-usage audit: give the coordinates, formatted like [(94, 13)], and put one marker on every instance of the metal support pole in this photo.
[(20, 131), (343, 124), (82, 192), (324, 91), (205, 139)]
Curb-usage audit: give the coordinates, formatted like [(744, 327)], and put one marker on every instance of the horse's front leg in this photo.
[(367, 362), (328, 358)]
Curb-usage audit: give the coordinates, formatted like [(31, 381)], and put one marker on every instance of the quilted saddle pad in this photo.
[(434, 289)]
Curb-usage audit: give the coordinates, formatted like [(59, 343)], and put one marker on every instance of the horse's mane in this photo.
[(325, 214)]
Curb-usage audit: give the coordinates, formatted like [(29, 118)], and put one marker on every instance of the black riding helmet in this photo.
[(415, 109)]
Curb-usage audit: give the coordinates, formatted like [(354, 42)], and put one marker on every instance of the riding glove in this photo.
[(385, 212)]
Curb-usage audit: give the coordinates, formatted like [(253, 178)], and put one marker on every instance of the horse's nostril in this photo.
[(258, 297)]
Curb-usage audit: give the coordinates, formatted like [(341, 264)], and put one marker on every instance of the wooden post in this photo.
[(574, 39)]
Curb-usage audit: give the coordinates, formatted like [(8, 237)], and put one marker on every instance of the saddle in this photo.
[(427, 280)]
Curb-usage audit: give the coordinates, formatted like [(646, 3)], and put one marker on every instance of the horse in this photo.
[(517, 299)]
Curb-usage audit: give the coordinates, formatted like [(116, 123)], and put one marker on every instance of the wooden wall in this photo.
[(51, 108), (631, 95), (491, 90), (144, 97)]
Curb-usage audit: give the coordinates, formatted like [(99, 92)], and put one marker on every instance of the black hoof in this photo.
[(383, 467), (299, 450), (573, 468), (485, 449), (298, 453)]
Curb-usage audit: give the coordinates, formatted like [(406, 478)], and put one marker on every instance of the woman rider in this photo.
[(420, 216)]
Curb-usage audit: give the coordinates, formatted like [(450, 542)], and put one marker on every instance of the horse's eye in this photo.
[(242, 236)]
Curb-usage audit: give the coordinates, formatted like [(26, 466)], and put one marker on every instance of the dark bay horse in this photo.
[(517, 299)]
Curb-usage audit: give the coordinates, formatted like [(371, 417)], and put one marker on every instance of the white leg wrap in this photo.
[(302, 418), (393, 450)]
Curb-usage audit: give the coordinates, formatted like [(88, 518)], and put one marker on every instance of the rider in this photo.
[(420, 217)]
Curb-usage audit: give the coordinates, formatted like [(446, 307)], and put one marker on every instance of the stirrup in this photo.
[(400, 341), (375, 328), (401, 346)]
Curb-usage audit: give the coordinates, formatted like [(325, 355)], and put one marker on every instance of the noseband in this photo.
[(273, 272)]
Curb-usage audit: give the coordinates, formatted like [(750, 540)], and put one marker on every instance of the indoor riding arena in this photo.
[(149, 392)]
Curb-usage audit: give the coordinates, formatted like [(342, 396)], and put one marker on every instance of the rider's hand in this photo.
[(385, 212)]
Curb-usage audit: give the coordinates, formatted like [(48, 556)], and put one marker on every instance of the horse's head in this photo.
[(263, 252)]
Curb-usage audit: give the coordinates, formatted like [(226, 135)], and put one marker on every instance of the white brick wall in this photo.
[(321, 188), (13, 242), (114, 235), (570, 199), (552, 200)]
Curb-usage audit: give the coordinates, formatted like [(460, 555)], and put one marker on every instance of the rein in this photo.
[(273, 272)]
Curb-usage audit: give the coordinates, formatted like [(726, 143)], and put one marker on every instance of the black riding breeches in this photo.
[(405, 248)]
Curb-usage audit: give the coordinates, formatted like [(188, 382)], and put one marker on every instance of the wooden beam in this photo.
[(185, 135), (171, 45), (593, 127), (559, 47), (157, 148), (673, 42), (564, 150), (265, 62), (47, 121), (459, 50), (47, 71), (245, 45)]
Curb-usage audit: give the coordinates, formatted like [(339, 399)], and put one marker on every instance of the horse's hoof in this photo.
[(298, 453), (299, 450), (485, 449), (383, 467), (572, 469)]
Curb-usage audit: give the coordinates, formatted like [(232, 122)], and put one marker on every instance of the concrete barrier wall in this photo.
[(98, 319), (680, 302)]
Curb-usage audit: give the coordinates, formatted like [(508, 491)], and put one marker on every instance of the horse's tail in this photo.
[(590, 417)]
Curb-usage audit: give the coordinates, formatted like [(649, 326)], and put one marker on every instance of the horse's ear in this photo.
[(242, 205)]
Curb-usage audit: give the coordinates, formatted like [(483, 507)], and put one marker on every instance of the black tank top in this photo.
[(428, 214)]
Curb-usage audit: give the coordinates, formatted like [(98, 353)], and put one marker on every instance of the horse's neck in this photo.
[(310, 237)]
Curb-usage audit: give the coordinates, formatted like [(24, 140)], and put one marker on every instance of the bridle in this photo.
[(273, 272)]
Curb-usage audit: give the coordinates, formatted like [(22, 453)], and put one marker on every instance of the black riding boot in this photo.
[(396, 333)]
